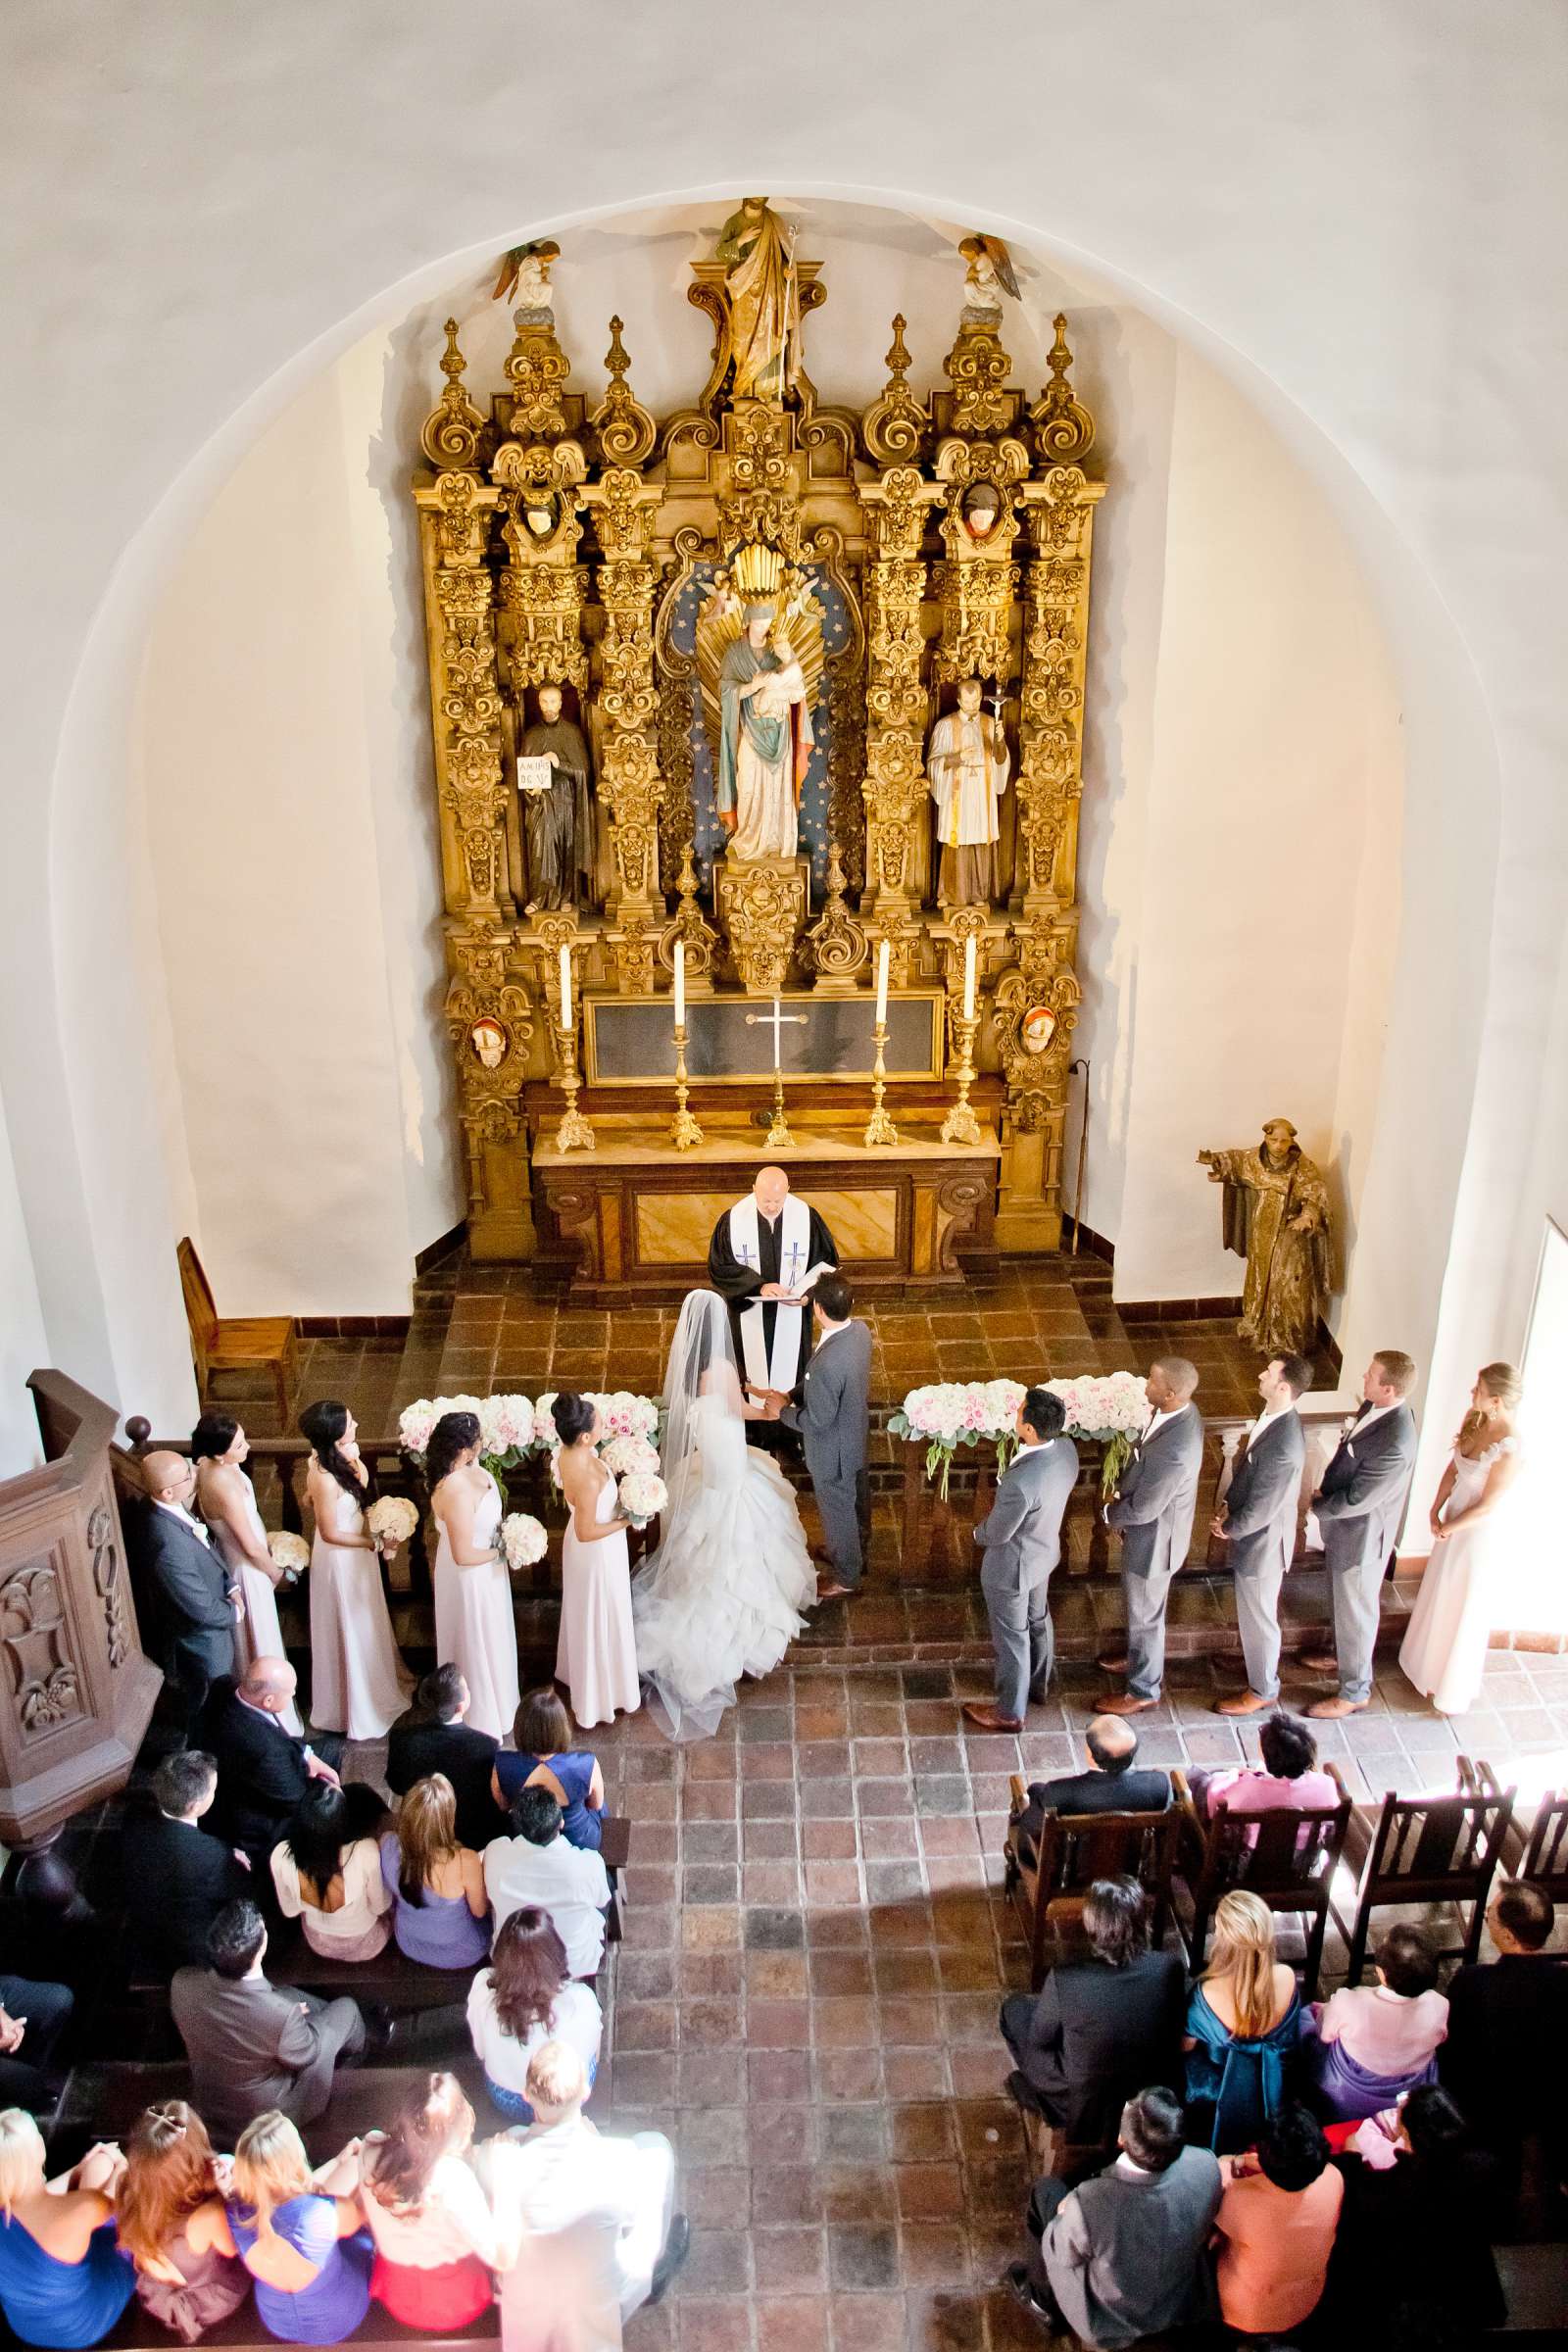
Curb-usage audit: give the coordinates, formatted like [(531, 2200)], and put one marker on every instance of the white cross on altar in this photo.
[(778, 1021)]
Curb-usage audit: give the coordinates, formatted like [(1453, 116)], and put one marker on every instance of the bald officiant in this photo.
[(764, 1255)]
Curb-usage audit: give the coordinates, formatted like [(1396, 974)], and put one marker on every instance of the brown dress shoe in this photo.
[(1127, 1702), (1246, 1702), (1331, 1710), (986, 1719), (1319, 1661), (1115, 1661)]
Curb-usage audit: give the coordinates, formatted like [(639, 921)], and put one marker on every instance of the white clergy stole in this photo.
[(774, 1368)]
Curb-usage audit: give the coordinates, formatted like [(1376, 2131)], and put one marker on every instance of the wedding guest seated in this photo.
[(1505, 2060), (1420, 2205), (1110, 1785), (1099, 2029), (32, 2018), (172, 2221), (327, 1872), (523, 1999), (62, 2278), (440, 1911), (585, 2218), (536, 1864), (1287, 1780), (263, 1768), (434, 2236), (1125, 2255), (1276, 2223), (1371, 2044), (545, 1758), (307, 2252), (253, 2045), (1243, 2023), (176, 1879), (433, 1736)]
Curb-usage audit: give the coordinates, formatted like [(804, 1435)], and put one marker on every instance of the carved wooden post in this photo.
[(895, 787)]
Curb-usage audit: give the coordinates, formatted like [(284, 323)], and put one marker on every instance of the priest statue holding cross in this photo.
[(765, 1254)]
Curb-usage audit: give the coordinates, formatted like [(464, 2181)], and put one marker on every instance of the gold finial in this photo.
[(617, 360), (898, 361), (626, 431), (895, 424), (1064, 430), (451, 430), (453, 362)]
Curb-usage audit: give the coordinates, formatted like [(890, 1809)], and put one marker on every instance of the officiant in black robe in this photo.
[(761, 1251)]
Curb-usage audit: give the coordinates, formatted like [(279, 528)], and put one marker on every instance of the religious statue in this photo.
[(1276, 1214), (555, 812), (967, 764), (981, 511), (990, 272), (765, 311), (759, 661), (766, 1254)]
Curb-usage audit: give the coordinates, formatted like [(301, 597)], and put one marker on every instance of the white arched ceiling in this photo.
[(1348, 209)]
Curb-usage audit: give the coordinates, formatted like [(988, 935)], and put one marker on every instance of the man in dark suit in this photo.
[(263, 1770), (1360, 1507), (1110, 1785), (831, 1411), (199, 1603), (1505, 2059), (1100, 2029), (176, 1879), (1258, 1520), (253, 2045), (1153, 1512), (1020, 1540), (432, 1737)]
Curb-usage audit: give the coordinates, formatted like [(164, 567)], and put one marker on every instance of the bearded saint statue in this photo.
[(1276, 1214), (765, 311)]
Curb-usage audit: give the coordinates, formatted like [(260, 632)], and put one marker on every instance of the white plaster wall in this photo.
[(23, 1341)]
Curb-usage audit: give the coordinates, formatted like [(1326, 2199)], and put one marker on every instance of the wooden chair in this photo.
[(1535, 1850), (241, 1344), (1432, 1850), (1286, 1859), (1075, 1849)]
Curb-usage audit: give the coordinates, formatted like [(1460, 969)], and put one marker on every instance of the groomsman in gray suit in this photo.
[(831, 1411), (1152, 1511), (1258, 1520), (1359, 1505), (1020, 1538)]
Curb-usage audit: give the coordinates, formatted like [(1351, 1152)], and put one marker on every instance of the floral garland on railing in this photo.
[(515, 1429), (1106, 1410)]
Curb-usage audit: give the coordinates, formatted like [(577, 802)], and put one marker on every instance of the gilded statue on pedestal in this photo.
[(764, 308), (968, 764), (1276, 1216)]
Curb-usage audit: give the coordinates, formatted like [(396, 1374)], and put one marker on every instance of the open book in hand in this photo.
[(813, 1275)]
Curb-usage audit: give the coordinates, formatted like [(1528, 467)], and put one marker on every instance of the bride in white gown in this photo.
[(1445, 1647), (722, 1595)]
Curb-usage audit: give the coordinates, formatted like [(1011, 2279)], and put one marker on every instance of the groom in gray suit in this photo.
[(1152, 1511), (1258, 1520), (1020, 1538), (1359, 1505), (831, 1411)]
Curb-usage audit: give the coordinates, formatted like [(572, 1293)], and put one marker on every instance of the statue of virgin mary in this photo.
[(765, 739), (765, 317)]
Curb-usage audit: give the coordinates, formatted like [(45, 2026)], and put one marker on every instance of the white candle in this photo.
[(680, 984), (882, 985), (968, 978), (778, 1015), (565, 988)]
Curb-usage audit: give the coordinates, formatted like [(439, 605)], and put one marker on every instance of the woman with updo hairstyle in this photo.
[(596, 1656), (357, 1682), (169, 2212), (1445, 1647), (435, 2237), (227, 1501), (474, 1627)]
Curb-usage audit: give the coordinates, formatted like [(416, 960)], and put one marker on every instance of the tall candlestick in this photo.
[(680, 984), (565, 987), (882, 985), (968, 978)]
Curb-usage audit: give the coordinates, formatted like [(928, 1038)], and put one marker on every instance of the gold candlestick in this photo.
[(879, 1127), (574, 1132), (961, 1126), (778, 1134), (683, 1128)]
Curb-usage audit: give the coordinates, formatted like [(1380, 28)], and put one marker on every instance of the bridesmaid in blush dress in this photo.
[(357, 1681), (474, 1627), (227, 1501), (596, 1657)]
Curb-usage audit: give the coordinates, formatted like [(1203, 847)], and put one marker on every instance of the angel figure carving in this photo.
[(760, 663)]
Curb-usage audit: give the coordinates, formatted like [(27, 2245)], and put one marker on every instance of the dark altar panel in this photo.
[(729, 1040), (633, 1218)]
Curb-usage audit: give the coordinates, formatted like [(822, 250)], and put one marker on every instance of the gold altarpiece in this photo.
[(563, 542)]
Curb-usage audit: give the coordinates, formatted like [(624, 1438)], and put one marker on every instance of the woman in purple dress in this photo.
[(308, 2253), (1372, 2044)]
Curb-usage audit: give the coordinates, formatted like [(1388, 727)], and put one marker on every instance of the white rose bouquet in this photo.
[(951, 1413), (391, 1519), (623, 1454), (290, 1553), (522, 1541), (643, 1495), (506, 1432), (1108, 1410)]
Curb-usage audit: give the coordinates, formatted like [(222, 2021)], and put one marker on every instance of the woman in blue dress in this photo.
[(546, 1759), (1243, 2023), (63, 2282), (308, 2253)]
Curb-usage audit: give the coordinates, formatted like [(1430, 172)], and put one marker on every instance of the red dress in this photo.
[(451, 2296)]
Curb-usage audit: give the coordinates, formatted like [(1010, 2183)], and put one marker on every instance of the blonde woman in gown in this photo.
[(596, 1657), (1445, 1647), (228, 1503), (357, 1682), (476, 1630), (724, 1594)]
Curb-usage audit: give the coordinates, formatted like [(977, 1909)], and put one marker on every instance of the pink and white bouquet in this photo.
[(628, 1454), (1109, 1410), (951, 1413), (505, 1430), (522, 1541), (289, 1552), (391, 1519), (643, 1495), (624, 1415)]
